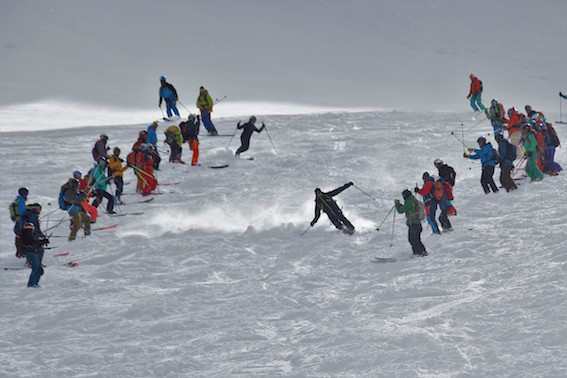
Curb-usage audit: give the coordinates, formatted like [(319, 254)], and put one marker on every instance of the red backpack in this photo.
[(438, 190), (448, 191)]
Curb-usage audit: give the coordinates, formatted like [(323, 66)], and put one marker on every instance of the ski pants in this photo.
[(170, 105), (206, 117), (550, 158), (506, 178), (37, 269), (515, 138), (245, 145), (414, 238), (430, 210), (476, 100), (444, 217), (194, 146), (119, 181), (99, 193), (79, 219), (340, 221), (486, 179), (531, 168)]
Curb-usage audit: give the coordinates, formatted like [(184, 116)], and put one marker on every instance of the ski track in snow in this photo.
[(215, 280)]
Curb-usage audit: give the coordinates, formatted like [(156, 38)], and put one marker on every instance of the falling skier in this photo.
[(324, 201)]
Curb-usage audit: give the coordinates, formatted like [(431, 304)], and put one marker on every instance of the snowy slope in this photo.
[(214, 278)]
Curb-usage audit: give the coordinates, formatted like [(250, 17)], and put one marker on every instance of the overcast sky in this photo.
[(410, 54)]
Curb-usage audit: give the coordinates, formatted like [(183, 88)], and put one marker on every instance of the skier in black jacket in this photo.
[(446, 172), (324, 201), (249, 127)]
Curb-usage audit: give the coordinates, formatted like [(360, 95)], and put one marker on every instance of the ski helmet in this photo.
[(23, 192), (498, 136), (116, 151), (73, 181), (437, 162), (77, 174), (253, 118), (481, 139), (406, 194), (162, 78), (104, 136)]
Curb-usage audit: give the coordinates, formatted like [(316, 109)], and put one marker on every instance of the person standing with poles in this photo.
[(485, 154), (247, 129), (324, 201), (205, 105), (412, 221), (168, 93)]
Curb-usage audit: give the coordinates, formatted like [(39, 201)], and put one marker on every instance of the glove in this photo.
[(312, 223), (469, 96), (470, 149), (396, 202), (238, 124), (465, 155), (416, 189)]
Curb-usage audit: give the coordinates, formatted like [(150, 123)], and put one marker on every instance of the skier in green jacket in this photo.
[(530, 146), (412, 221)]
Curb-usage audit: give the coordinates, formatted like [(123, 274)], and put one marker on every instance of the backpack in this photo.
[(64, 204), (439, 190), (184, 130), (131, 159), (419, 210), (480, 85), (553, 137), (14, 215), (495, 155), (448, 191)]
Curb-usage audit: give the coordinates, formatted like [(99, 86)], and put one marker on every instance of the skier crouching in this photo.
[(324, 201)]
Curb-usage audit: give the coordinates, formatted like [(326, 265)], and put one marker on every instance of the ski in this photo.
[(71, 264), (61, 254), (561, 122), (213, 166), (383, 259), (169, 183), (105, 227), (15, 268), (143, 201)]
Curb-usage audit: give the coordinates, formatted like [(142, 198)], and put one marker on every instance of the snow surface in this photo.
[(214, 278)]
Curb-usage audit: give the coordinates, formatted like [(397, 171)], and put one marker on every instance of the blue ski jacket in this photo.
[(484, 154)]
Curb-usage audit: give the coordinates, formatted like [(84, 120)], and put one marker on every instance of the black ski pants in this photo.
[(339, 220), (414, 237), (487, 181)]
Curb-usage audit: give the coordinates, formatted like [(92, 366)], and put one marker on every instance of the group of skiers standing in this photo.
[(531, 139)]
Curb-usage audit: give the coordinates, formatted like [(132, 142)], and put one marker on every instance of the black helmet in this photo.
[(73, 181), (406, 194), (23, 192)]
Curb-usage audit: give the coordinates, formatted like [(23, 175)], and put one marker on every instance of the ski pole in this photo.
[(386, 217), (463, 137), (476, 124), (307, 229), (233, 134), (460, 140), (268, 134), (393, 224), (48, 214), (363, 192), (162, 113), (219, 100), (184, 107)]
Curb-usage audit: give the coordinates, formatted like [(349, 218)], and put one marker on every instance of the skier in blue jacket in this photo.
[(168, 93), (152, 140), (484, 153)]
